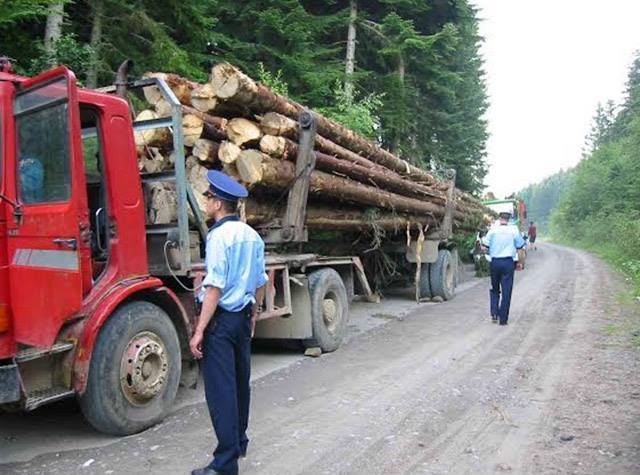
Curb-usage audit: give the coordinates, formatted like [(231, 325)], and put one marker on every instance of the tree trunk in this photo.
[(350, 59), (97, 11), (53, 29), (280, 147), (236, 87), (273, 123), (261, 212), (276, 174)]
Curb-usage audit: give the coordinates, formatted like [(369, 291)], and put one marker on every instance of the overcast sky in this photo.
[(548, 64)]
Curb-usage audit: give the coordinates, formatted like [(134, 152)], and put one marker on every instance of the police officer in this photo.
[(503, 241), (231, 292)]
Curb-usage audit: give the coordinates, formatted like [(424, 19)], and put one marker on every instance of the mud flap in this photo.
[(9, 383)]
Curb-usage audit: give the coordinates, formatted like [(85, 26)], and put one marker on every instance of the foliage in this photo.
[(543, 198), (68, 51), (274, 81), (601, 208), (418, 69), (356, 113)]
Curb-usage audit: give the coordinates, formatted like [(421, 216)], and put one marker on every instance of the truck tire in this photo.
[(134, 371), (425, 281), (442, 276), (329, 309)]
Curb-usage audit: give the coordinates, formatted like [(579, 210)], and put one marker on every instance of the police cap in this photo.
[(224, 187)]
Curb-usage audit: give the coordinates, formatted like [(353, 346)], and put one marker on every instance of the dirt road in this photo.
[(440, 391)]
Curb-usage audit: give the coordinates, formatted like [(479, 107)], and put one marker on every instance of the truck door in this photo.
[(47, 237)]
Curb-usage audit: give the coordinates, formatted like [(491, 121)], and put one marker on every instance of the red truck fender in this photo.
[(146, 288)]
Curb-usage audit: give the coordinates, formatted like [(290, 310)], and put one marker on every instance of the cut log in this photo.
[(228, 152), (229, 83), (259, 168), (180, 86), (192, 127), (281, 147), (277, 124), (160, 137), (250, 165), (238, 87), (161, 203), (243, 131), (273, 123), (331, 218), (203, 98), (152, 161), (163, 108), (206, 150)]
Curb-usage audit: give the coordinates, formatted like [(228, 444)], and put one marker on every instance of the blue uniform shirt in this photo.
[(235, 263), (503, 240)]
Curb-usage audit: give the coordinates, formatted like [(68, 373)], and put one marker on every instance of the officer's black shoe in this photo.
[(205, 471), (503, 324), (494, 319)]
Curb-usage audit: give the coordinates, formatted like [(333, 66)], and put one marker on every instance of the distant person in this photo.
[(533, 233), (503, 241)]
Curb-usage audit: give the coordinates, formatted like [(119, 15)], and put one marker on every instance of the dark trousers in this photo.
[(226, 369), (502, 270)]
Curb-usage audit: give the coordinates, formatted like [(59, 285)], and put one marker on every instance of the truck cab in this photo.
[(73, 255)]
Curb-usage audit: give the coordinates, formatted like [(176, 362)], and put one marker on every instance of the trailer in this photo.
[(98, 305)]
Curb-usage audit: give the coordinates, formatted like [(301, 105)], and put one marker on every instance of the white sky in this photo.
[(548, 64)]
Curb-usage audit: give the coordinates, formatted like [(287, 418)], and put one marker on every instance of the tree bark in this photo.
[(277, 174), (239, 88), (350, 59), (332, 218), (53, 29), (280, 147)]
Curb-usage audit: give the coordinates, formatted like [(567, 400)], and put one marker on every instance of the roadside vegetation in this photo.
[(600, 209)]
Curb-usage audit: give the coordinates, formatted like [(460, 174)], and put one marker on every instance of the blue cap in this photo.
[(224, 187)]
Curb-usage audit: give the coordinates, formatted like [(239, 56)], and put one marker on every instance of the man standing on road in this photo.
[(504, 241), (232, 291), (532, 233)]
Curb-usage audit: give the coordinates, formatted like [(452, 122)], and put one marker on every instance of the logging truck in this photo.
[(96, 303)]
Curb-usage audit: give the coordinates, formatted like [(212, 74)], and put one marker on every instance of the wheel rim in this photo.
[(331, 312), (144, 368)]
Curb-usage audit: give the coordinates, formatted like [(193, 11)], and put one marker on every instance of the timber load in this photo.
[(235, 124)]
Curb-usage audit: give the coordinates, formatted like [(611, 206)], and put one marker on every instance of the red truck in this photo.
[(97, 304)]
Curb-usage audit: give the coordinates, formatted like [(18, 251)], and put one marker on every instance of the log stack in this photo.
[(242, 127)]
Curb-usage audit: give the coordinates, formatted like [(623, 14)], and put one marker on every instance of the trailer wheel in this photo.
[(329, 309), (134, 371), (442, 275), (426, 292)]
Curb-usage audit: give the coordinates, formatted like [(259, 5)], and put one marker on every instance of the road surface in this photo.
[(438, 391)]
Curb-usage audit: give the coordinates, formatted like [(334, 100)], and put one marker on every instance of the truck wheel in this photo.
[(426, 292), (329, 309), (442, 275), (134, 371)]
